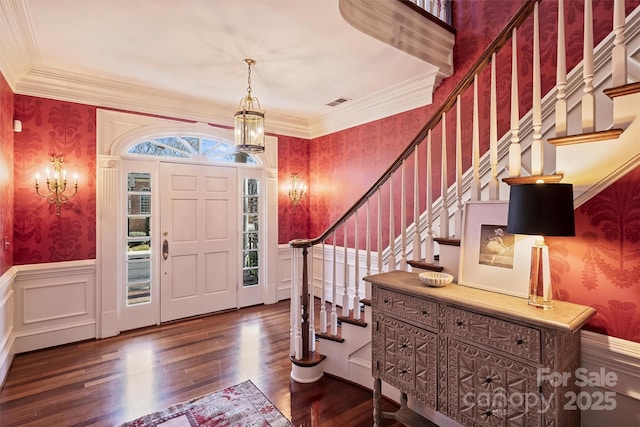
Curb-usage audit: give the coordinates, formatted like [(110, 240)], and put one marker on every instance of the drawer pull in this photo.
[(424, 312), (459, 323), (519, 341), (386, 300)]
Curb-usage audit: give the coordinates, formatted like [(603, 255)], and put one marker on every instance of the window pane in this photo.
[(250, 277), (252, 187), (250, 222), (138, 270), (251, 204), (138, 293), (251, 259), (139, 226)]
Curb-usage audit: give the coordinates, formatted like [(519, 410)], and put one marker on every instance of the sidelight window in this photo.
[(250, 232), (138, 284)]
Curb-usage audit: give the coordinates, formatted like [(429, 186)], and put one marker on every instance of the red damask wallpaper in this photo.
[(6, 175), (600, 267), (63, 129), (293, 157)]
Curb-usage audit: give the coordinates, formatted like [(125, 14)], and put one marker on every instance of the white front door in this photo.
[(198, 240)]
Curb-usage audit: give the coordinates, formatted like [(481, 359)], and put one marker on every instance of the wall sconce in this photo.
[(57, 186), (297, 190)]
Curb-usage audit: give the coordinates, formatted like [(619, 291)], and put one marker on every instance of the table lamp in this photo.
[(544, 209)]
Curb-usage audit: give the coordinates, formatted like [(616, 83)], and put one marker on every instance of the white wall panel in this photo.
[(54, 303)]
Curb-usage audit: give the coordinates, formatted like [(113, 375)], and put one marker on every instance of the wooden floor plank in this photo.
[(106, 382)]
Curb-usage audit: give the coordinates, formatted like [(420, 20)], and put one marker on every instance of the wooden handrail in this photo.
[(518, 18)]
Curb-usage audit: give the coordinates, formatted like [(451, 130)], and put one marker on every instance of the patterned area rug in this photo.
[(240, 405)]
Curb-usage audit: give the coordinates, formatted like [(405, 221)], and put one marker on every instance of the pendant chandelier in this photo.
[(249, 120)]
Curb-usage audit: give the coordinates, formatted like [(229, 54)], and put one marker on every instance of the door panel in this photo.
[(199, 222), (216, 272)]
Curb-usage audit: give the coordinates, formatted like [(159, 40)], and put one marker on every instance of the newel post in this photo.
[(306, 365), (301, 318)]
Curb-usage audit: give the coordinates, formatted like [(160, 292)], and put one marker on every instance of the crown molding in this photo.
[(404, 96), (18, 48), (47, 82)]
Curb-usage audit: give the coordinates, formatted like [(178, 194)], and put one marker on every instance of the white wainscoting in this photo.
[(6, 322), (283, 287), (54, 303)]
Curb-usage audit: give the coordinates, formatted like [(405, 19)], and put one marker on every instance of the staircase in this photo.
[(584, 131)]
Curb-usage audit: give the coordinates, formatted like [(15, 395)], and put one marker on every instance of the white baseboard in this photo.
[(614, 355), (54, 336)]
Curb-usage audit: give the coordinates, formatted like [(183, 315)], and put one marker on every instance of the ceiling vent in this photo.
[(338, 102)]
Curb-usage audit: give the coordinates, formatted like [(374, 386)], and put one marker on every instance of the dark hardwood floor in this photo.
[(106, 382)]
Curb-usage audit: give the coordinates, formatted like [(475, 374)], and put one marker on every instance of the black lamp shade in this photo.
[(541, 209)]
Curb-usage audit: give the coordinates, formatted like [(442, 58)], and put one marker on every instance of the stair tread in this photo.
[(315, 358), (582, 138), (352, 321), (432, 266), (329, 337), (533, 179), (449, 241), (627, 89)]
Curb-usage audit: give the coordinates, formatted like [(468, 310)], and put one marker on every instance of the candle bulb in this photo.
[(37, 178), (75, 179)]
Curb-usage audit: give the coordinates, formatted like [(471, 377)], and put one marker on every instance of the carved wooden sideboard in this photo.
[(479, 357)]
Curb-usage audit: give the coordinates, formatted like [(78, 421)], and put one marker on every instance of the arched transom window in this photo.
[(190, 147)]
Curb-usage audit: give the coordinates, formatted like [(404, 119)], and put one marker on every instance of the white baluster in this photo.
[(494, 184), (403, 219), (457, 216), (475, 184), (368, 236), (515, 153), (588, 98), (428, 256), (312, 306), (345, 292), (323, 298), (380, 230), (444, 211), (619, 52), (417, 244), (392, 229), (356, 296), (561, 76), (537, 150), (334, 291)]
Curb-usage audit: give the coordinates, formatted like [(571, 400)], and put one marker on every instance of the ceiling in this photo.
[(183, 58)]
